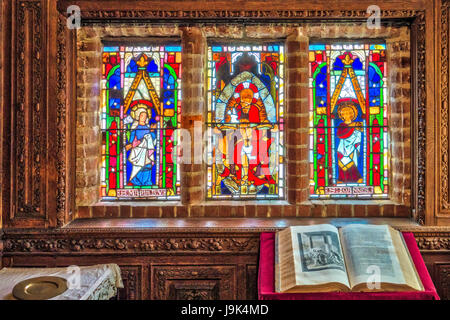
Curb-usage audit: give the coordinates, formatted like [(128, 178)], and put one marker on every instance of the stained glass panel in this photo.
[(140, 109), (349, 155), (245, 121)]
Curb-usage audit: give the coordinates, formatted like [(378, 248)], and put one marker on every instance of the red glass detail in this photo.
[(319, 58), (321, 154), (376, 153)]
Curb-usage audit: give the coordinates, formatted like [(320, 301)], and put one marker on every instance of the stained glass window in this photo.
[(140, 109), (348, 121), (245, 121)]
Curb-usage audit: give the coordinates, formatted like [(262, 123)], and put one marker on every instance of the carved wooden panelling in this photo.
[(194, 290), (442, 280), (29, 110), (61, 101), (420, 115), (252, 282), (132, 282), (443, 119), (194, 282)]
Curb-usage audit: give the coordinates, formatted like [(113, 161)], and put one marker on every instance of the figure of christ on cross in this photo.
[(248, 170)]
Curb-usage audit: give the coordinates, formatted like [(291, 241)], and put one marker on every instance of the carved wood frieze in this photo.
[(103, 14), (166, 245), (29, 109), (434, 242)]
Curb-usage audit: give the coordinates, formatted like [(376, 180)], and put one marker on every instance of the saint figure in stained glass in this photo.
[(245, 105), (348, 121), (349, 133), (142, 146)]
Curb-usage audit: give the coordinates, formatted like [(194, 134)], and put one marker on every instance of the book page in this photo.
[(277, 265), (318, 256), (284, 262), (409, 271), (371, 256)]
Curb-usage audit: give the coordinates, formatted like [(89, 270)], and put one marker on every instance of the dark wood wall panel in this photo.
[(442, 278), (146, 278), (132, 276), (438, 265), (194, 282), (167, 266), (29, 109), (37, 56), (178, 279)]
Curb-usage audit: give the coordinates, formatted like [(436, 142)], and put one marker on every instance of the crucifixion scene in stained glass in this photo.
[(245, 120)]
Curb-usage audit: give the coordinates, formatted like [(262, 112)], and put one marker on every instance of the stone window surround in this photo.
[(193, 194)]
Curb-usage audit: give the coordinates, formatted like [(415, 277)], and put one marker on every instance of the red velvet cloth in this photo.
[(266, 279)]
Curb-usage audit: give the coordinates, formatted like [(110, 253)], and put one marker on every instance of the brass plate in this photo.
[(40, 288)]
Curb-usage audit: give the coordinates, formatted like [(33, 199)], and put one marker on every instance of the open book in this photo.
[(357, 257)]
